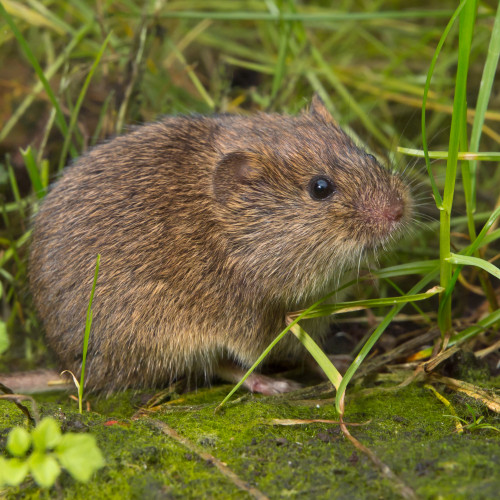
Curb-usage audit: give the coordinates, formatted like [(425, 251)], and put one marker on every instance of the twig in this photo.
[(223, 468)]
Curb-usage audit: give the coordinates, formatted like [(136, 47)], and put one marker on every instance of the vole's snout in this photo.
[(386, 212), (393, 210), (383, 214)]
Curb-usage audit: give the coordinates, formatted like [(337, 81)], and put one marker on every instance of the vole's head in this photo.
[(299, 200)]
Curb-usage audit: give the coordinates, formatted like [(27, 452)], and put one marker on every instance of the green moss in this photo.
[(408, 430)]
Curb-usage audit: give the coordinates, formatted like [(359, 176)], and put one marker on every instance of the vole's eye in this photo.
[(372, 158), (320, 188)]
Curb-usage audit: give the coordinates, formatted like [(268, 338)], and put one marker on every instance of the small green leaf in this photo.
[(18, 442), (79, 455), (44, 468), (14, 471), (46, 435)]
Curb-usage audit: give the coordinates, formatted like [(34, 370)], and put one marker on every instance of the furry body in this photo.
[(208, 235)]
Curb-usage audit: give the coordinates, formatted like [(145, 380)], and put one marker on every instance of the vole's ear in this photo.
[(234, 172), (320, 112)]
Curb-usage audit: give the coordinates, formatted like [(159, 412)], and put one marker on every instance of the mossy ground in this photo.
[(409, 430)]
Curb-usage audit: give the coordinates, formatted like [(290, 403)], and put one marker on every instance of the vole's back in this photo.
[(208, 233)]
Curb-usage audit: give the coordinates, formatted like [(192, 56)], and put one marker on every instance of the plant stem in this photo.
[(467, 19)]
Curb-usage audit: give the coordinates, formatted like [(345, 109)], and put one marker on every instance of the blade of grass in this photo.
[(451, 22), (11, 252), (60, 120), (37, 88), (443, 155), (418, 309), (79, 101), (46, 133), (102, 116), (418, 267), (57, 21), (481, 326), (88, 324), (468, 185), (319, 356), (133, 77), (327, 16), (476, 244), (34, 174), (487, 79), (30, 16), (467, 20), (275, 341), (280, 67), (342, 307), (192, 76), (375, 336), (474, 261), (14, 186)]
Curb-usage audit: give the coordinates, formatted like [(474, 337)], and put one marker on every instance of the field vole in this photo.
[(210, 230)]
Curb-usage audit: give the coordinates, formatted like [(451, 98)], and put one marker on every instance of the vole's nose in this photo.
[(382, 214), (394, 209)]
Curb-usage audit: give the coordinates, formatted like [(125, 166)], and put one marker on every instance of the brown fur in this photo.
[(208, 236)]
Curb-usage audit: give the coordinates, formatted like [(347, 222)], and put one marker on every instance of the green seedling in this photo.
[(45, 451)]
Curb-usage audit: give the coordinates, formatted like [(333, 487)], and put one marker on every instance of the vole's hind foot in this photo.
[(270, 386), (256, 382)]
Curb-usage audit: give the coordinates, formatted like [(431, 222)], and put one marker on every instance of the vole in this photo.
[(210, 229)]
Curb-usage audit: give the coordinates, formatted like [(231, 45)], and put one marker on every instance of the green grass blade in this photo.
[(193, 77), (466, 177), (343, 307), (60, 120), (280, 68), (102, 115), (327, 16), (275, 341), (464, 260), (11, 252), (488, 77), (34, 174), (482, 237), (443, 155), (120, 122), (56, 21), (481, 326), (417, 267), (14, 186), (467, 20), (51, 71), (79, 101), (88, 324), (418, 309), (451, 22), (490, 237), (375, 336), (31, 16), (320, 357)]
